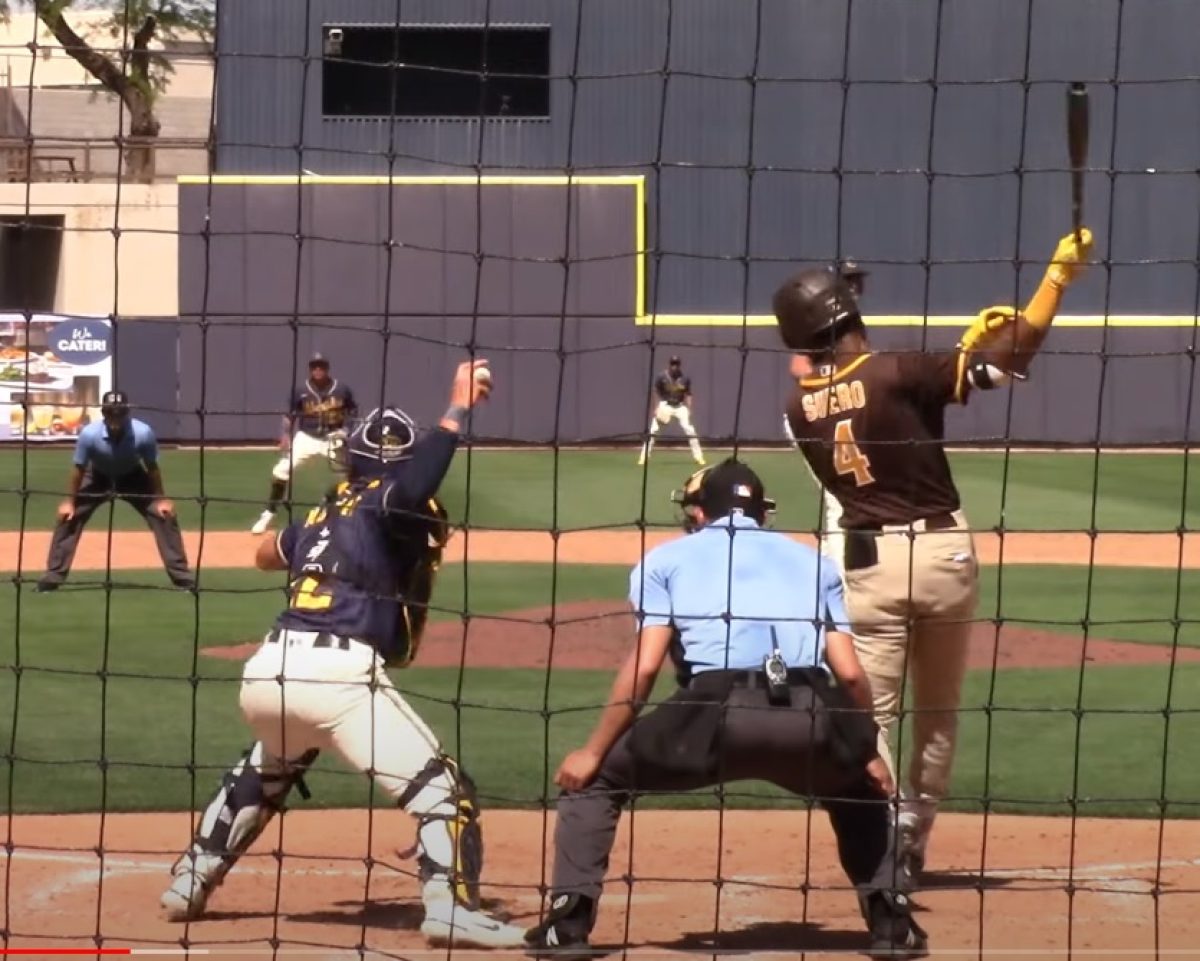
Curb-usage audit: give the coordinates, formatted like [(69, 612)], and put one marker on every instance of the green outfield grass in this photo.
[(1131, 604), (526, 489), (79, 691), (1020, 754)]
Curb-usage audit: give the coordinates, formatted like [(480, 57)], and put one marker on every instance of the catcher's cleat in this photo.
[(894, 933), (449, 924), (186, 898), (564, 932), (263, 524)]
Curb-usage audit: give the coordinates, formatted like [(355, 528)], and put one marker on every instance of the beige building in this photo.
[(51, 66), (73, 122), (91, 249)]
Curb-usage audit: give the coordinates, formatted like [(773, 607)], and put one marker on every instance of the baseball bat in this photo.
[(1078, 125)]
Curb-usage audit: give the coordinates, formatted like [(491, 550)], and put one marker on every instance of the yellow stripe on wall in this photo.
[(590, 180), (918, 320)]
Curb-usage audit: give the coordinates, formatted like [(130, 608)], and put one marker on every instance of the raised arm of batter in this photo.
[(1002, 342)]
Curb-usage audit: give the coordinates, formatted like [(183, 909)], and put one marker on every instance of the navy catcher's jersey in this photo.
[(318, 412), (362, 565), (672, 389)]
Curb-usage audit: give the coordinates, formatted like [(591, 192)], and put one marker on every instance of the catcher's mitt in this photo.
[(435, 532)]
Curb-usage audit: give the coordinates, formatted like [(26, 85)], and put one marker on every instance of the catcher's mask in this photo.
[(114, 409), (814, 308), (382, 438), (721, 490)]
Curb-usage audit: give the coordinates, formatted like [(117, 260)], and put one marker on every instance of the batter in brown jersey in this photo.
[(871, 427), (872, 432)]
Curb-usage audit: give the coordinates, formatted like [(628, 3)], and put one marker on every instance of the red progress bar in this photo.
[(63, 951)]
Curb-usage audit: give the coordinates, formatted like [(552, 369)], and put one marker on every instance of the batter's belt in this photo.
[(862, 546)]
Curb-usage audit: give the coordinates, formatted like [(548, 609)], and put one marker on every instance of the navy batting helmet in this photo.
[(721, 489), (814, 308), (382, 438)]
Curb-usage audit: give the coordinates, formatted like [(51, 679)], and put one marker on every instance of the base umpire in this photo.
[(116, 457)]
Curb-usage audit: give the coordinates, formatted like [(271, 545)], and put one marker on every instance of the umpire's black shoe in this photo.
[(894, 933), (45, 587), (564, 932)]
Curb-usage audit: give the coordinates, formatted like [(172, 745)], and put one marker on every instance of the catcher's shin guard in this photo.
[(249, 796), (443, 799)]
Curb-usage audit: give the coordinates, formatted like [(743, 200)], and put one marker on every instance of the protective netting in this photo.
[(578, 192)]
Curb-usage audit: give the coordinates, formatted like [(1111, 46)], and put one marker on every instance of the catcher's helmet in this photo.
[(382, 438), (721, 489), (814, 308)]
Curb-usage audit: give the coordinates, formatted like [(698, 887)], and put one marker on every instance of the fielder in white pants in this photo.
[(319, 413), (672, 401)]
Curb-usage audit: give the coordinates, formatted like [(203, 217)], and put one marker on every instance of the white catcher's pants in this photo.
[(664, 413), (336, 700), (305, 447)]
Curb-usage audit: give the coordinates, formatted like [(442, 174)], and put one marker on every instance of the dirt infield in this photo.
[(134, 549), (1016, 905), (1000, 888)]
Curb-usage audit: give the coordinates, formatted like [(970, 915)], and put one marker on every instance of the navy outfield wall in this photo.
[(1138, 395), (270, 272), (925, 138)]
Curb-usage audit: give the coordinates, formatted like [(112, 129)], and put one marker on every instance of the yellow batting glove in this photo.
[(989, 319), (1070, 258)]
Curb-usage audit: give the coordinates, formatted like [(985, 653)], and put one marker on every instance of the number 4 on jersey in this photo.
[(847, 458)]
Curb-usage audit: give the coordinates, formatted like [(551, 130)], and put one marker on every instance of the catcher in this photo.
[(871, 428), (362, 569)]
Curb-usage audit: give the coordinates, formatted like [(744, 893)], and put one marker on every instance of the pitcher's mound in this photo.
[(598, 634)]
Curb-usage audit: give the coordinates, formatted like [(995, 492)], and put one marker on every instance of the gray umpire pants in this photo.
[(788, 746), (136, 490)]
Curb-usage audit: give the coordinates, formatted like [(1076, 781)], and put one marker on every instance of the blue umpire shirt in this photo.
[(759, 578), (136, 448)]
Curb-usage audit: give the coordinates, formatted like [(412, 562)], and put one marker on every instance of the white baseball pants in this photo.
[(305, 447), (333, 699), (664, 413)]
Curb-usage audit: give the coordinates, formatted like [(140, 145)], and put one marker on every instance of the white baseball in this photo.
[(483, 376)]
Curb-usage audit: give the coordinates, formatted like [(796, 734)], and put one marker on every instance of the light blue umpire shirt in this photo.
[(724, 587), (136, 448)]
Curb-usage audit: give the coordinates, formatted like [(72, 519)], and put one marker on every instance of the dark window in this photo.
[(30, 248), (412, 71)]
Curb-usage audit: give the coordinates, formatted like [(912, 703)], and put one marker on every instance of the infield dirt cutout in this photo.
[(1001, 887)]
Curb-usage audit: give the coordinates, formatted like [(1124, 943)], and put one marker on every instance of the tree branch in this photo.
[(142, 120), (98, 65), (139, 60)]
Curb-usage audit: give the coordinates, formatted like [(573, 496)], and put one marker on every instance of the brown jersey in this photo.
[(872, 432)]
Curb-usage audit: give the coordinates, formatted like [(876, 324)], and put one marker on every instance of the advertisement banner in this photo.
[(53, 371)]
